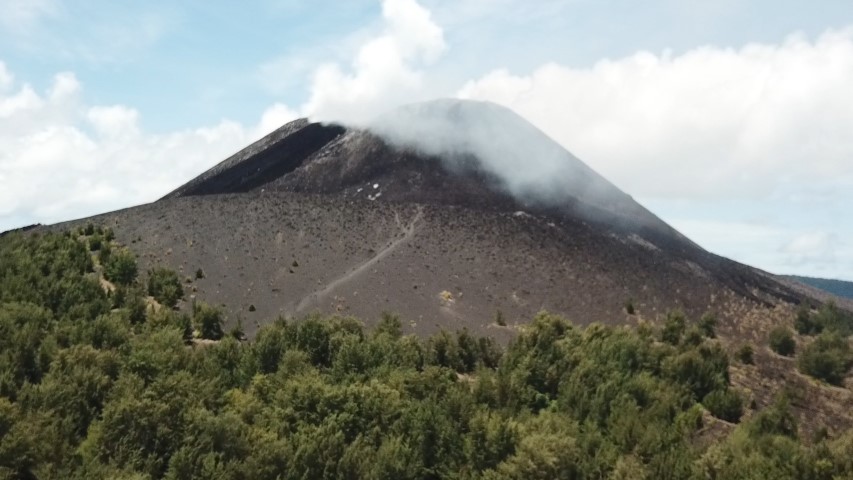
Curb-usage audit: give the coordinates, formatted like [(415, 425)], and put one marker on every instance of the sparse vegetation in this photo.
[(629, 306), (91, 386), (199, 274), (782, 342), (237, 332)]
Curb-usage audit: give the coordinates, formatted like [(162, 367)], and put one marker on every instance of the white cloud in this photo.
[(6, 77), (272, 118), (412, 28), (789, 249), (761, 124), (711, 122), (65, 85), (25, 99), (114, 122), (386, 71), (60, 159), (19, 15), (811, 247)]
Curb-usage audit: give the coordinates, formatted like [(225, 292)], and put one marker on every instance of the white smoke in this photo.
[(528, 164)]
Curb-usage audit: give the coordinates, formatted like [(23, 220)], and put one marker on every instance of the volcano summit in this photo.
[(450, 213)]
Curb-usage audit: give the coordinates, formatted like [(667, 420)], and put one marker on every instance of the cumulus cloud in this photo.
[(61, 159), (387, 70), (710, 122)]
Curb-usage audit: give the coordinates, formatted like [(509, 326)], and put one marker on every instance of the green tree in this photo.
[(165, 286), (75, 389), (121, 267), (804, 323), (208, 321), (390, 324), (745, 354), (23, 447), (95, 242), (776, 419), (782, 342), (674, 328), (708, 325), (830, 317), (828, 358), (104, 253), (702, 370), (541, 455), (724, 404)]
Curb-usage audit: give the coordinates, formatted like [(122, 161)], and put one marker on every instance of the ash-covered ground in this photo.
[(438, 266), (431, 214), (350, 221)]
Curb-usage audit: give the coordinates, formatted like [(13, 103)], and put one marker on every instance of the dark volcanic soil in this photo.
[(438, 266), (322, 218)]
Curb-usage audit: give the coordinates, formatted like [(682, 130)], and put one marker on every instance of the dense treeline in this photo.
[(106, 383)]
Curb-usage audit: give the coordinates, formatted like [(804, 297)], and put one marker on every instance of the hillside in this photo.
[(364, 220), (839, 288), (100, 380), (442, 293)]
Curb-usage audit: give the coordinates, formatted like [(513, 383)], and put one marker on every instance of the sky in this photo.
[(732, 120)]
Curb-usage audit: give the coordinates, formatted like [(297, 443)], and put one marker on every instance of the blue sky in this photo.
[(729, 119)]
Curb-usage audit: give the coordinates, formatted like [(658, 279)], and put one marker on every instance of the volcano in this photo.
[(453, 214)]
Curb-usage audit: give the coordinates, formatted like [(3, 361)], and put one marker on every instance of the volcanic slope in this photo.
[(451, 213)]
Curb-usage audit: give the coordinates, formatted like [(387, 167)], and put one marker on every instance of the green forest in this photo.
[(97, 380)]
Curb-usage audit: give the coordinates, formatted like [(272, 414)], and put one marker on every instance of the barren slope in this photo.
[(448, 234), (438, 266)]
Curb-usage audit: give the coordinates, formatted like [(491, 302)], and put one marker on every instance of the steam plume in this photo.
[(529, 165)]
